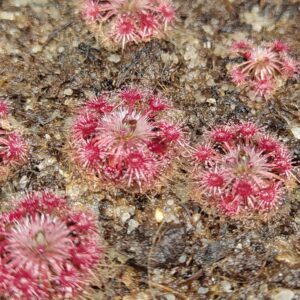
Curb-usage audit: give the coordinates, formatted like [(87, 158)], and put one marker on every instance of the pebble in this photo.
[(220, 50), (132, 225), (203, 290), (288, 257), (125, 216), (46, 163), (68, 92), (210, 82), (23, 182), (208, 29), (207, 45), (159, 215), (283, 294), (8, 15), (170, 202), (199, 98), (226, 286), (182, 258), (36, 48), (296, 132), (169, 297), (211, 101), (115, 58), (239, 246), (143, 296), (199, 227), (196, 217)]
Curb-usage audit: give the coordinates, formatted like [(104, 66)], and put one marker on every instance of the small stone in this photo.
[(169, 297), (46, 163), (211, 101), (208, 29), (199, 98), (68, 92), (170, 202), (159, 215), (75, 44), (132, 225), (23, 182), (283, 294), (199, 227), (182, 259), (125, 216), (226, 286), (143, 296), (8, 15), (208, 45), (220, 50), (203, 290), (239, 246), (115, 58), (196, 218), (288, 257), (210, 82), (36, 48), (296, 132)]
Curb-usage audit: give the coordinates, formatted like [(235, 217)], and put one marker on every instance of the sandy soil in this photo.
[(159, 245)]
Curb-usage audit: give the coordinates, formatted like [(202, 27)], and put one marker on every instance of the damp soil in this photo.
[(158, 245)]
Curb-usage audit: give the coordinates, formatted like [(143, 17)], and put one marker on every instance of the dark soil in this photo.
[(158, 245)]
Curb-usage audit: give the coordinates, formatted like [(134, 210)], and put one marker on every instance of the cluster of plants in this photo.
[(125, 138), (263, 67), (130, 139), (47, 250), (119, 22), (240, 169), (13, 147)]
